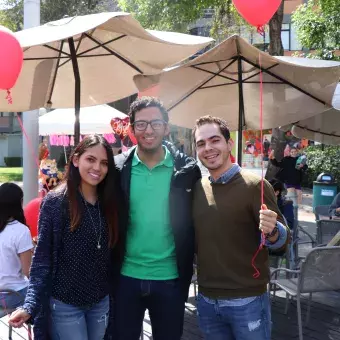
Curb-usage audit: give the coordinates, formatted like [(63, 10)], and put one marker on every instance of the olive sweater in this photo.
[(226, 219)]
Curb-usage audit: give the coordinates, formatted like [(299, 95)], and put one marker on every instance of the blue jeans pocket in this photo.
[(78, 323)]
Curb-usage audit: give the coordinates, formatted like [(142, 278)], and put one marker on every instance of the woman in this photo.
[(78, 226), (15, 247), (292, 172)]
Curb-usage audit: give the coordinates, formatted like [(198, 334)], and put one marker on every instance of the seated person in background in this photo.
[(286, 206), (15, 248), (334, 209)]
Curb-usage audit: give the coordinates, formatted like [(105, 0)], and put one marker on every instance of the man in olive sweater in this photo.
[(228, 218)]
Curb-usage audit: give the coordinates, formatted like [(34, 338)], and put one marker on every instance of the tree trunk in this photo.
[(275, 26), (278, 141)]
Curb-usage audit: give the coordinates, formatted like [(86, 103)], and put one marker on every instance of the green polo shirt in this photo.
[(150, 248)]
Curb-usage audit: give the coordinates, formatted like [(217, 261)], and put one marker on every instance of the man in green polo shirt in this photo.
[(158, 240)]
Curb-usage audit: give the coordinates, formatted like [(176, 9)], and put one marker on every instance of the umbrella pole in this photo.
[(240, 112), (76, 72)]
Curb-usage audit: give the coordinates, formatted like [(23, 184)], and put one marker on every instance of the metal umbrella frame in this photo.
[(54, 51), (234, 64)]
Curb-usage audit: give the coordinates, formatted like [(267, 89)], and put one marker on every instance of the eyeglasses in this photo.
[(142, 125)]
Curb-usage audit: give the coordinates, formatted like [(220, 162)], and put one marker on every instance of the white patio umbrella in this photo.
[(324, 127), (93, 119), (225, 82), (90, 60)]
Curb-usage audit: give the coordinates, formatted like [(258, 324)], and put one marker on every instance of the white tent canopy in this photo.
[(94, 119)]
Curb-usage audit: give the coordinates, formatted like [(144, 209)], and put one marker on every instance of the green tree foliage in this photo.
[(318, 27), (11, 13), (174, 15), (319, 161)]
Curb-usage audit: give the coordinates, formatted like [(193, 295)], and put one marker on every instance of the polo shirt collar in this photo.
[(167, 161)]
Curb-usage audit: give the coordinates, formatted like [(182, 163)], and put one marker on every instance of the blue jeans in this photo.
[(163, 299), (248, 322), (9, 301), (79, 323)]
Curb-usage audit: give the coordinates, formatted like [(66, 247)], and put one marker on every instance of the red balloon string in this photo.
[(260, 30), (9, 97), (3, 302), (29, 143), (263, 239)]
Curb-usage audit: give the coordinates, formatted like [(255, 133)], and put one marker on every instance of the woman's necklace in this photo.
[(94, 226)]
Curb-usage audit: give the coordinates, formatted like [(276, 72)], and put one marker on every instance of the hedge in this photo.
[(318, 160), (13, 162)]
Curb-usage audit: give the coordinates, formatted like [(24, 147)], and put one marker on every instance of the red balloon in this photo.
[(11, 59), (32, 215), (257, 12)]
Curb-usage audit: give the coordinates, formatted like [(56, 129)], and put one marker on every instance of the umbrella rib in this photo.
[(78, 46), (55, 74), (213, 62), (101, 45), (46, 58), (81, 55), (115, 54), (315, 131), (284, 81), (57, 50), (200, 86), (217, 85), (256, 74), (264, 82), (79, 42), (210, 72)]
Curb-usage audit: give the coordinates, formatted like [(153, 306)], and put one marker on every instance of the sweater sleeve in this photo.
[(41, 269), (271, 202)]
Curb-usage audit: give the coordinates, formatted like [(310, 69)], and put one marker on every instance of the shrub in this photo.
[(319, 161), (13, 162)]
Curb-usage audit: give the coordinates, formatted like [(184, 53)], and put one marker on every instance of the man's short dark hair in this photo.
[(144, 102), (212, 120), (277, 186)]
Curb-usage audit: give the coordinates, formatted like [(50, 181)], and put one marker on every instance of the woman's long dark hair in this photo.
[(11, 197), (107, 190)]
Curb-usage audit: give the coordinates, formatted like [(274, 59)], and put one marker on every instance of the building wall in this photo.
[(291, 5), (14, 145), (3, 149)]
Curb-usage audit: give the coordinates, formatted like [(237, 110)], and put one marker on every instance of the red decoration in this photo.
[(132, 136), (11, 59), (32, 215), (257, 12), (121, 127)]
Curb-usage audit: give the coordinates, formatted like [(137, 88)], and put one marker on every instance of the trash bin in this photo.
[(324, 190)]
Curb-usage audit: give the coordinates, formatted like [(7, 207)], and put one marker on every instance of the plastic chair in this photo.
[(6, 311), (320, 272)]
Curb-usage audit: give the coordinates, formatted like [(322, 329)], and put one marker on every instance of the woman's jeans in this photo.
[(79, 323), (10, 301)]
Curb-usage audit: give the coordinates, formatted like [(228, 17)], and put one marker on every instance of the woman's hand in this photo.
[(18, 318)]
